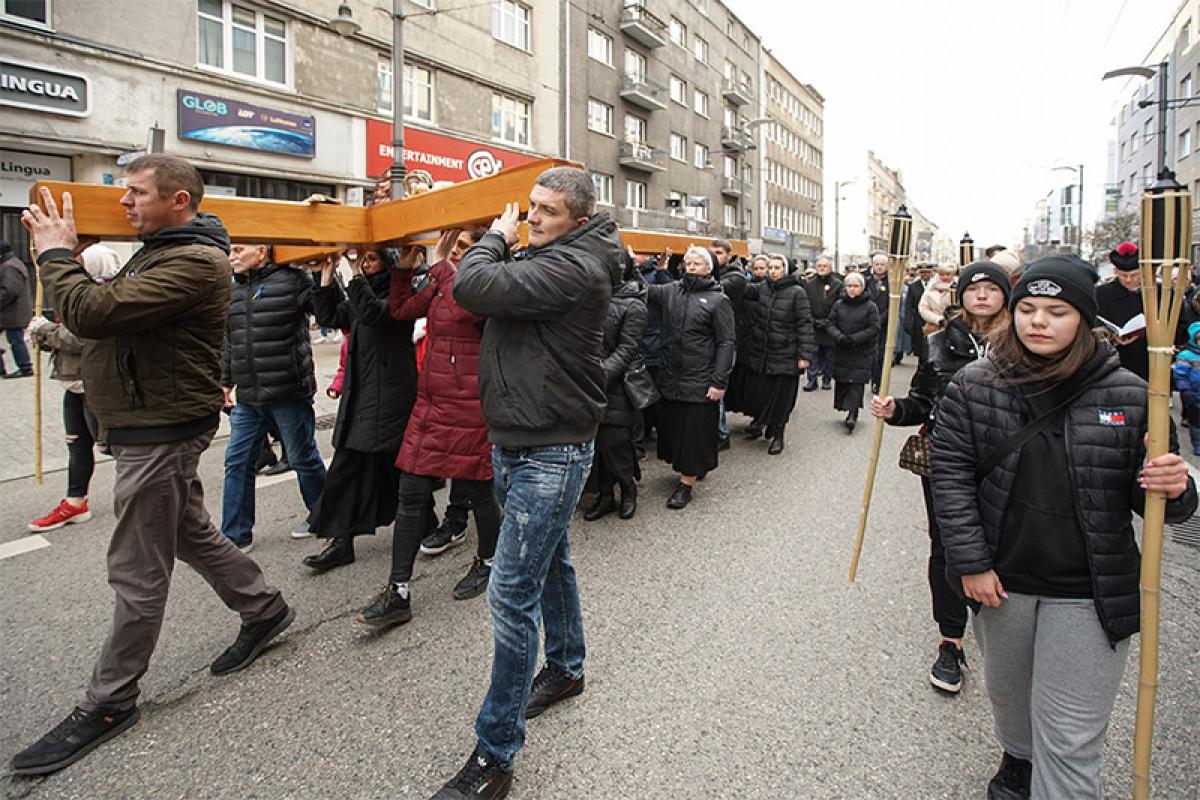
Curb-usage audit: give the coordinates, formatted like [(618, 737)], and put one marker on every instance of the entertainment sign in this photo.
[(231, 122), (445, 158)]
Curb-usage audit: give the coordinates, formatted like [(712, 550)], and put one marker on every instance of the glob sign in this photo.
[(446, 158), (229, 122)]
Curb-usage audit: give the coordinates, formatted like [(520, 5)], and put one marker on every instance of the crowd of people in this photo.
[(526, 378)]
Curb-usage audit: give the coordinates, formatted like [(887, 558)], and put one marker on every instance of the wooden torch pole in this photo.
[(900, 250), (1166, 239), (37, 371)]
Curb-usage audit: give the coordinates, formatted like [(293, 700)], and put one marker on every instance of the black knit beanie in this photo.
[(984, 271), (1063, 277)]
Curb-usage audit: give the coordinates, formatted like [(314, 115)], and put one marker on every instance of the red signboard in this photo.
[(443, 157)]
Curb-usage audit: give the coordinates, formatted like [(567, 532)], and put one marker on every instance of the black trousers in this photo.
[(82, 429), (412, 519), (949, 608)]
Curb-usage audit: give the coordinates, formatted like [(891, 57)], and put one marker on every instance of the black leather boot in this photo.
[(776, 446), (851, 420), (753, 431), (338, 553), (680, 497), (603, 506), (628, 501)]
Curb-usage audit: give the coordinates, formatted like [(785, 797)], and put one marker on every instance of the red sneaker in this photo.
[(65, 513)]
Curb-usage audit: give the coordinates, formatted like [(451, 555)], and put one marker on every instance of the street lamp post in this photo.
[(837, 223)]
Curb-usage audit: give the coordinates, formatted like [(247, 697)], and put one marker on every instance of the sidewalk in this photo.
[(17, 419)]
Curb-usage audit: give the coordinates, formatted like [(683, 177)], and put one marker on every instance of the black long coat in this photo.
[(854, 327), (779, 330), (624, 326), (823, 292), (698, 337), (381, 366)]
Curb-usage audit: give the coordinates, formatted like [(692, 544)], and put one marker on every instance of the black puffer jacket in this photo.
[(652, 338), (780, 327), (1103, 433), (623, 329), (854, 327), (381, 367), (698, 337), (745, 322), (944, 353), (732, 279), (540, 378), (267, 354), (823, 292), (877, 290)]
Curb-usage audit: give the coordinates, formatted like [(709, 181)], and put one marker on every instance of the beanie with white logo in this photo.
[(1062, 277)]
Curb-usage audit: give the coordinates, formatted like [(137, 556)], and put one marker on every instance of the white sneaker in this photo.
[(301, 533)]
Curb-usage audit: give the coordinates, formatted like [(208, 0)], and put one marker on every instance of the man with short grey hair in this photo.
[(877, 290), (823, 290)]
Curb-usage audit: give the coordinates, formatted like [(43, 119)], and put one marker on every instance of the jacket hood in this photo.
[(1193, 333), (204, 229), (784, 282), (630, 289), (699, 283), (938, 285), (597, 237)]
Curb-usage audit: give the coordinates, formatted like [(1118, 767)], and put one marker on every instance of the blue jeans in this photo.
[(296, 423), (20, 353), (538, 488), (822, 366)]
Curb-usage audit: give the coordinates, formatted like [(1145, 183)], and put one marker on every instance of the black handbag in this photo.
[(639, 386)]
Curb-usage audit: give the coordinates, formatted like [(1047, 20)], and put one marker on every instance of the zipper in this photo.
[(252, 294), (1087, 546)]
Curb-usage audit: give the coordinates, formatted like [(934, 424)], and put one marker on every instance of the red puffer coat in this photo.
[(446, 435)]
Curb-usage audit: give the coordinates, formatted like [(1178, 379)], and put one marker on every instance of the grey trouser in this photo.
[(1053, 678), (159, 504)]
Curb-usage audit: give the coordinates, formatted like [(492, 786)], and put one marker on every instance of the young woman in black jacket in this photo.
[(778, 347), (984, 297), (1043, 542), (854, 327)]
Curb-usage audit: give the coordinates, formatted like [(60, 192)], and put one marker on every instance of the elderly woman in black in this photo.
[(362, 484), (854, 326), (616, 460), (698, 341), (778, 346)]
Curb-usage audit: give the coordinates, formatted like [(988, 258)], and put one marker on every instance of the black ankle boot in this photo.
[(680, 497), (851, 421), (603, 506), (628, 501), (753, 431), (776, 446), (338, 553)]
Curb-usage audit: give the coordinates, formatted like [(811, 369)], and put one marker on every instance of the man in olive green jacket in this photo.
[(151, 371)]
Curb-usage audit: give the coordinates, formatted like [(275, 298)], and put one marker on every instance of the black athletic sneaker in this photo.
[(1011, 781), (475, 582), (387, 609), (251, 640), (480, 779), (72, 739), (442, 540), (946, 673), (549, 687)]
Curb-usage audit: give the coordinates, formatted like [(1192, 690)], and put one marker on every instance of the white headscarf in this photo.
[(101, 262)]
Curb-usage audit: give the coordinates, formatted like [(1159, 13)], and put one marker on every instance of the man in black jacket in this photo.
[(730, 272), (823, 291), (267, 357), (877, 290), (542, 390)]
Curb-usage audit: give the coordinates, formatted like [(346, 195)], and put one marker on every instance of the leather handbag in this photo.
[(915, 455), (639, 386)]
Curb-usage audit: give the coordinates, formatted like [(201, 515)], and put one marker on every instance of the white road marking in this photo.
[(21, 546)]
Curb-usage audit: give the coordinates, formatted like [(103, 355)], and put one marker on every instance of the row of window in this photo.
[(795, 144), (786, 178), (793, 220), (600, 48), (793, 105), (637, 193)]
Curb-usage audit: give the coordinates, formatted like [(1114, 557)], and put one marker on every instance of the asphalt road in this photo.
[(728, 655)]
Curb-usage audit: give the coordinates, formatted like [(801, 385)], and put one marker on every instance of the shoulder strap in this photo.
[(1031, 429)]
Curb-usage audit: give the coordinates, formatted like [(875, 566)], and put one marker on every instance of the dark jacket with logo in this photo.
[(854, 327), (267, 353), (945, 352), (780, 331), (623, 329), (152, 335), (540, 376), (380, 382), (823, 292), (698, 337), (1102, 434)]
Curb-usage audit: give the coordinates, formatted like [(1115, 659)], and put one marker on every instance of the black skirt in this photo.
[(687, 436), (616, 461), (847, 396), (361, 493), (771, 398), (736, 398)]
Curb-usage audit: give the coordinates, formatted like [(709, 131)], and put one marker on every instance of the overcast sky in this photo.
[(973, 101)]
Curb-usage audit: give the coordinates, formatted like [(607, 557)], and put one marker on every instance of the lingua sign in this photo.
[(39, 88)]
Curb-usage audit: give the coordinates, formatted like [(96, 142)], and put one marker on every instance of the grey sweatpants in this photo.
[(1053, 678), (160, 511)]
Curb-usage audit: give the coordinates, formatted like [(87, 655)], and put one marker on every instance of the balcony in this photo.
[(734, 138), (737, 92), (640, 25), (734, 187), (642, 156), (649, 96)]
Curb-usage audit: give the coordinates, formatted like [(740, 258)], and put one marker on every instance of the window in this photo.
[(730, 167), (603, 184), (1185, 86), (600, 46), (235, 38), (679, 90), (678, 32), (510, 120), (730, 27), (700, 103), (635, 66), (635, 129), (1185, 143), (679, 147), (702, 6), (1133, 143), (28, 10), (600, 116), (700, 156), (1147, 134), (418, 90), (510, 23), (729, 71), (424, 3), (635, 195), (700, 49), (730, 216), (1185, 35)]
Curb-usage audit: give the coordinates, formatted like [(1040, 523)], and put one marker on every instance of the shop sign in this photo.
[(446, 158), (41, 88), (229, 122), (775, 234), (19, 171)]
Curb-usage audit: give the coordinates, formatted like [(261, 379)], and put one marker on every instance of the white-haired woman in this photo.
[(854, 326), (698, 341)]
